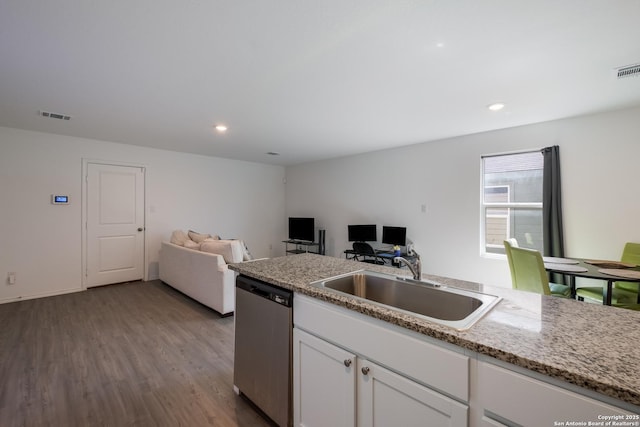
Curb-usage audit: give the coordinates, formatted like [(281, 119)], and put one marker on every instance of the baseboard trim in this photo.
[(39, 295)]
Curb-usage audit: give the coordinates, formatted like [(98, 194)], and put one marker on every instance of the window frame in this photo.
[(490, 205), (508, 205)]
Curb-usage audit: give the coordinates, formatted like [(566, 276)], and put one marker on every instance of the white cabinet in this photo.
[(424, 359), (385, 398), (351, 370), (416, 380), (324, 383), (535, 403), (334, 387)]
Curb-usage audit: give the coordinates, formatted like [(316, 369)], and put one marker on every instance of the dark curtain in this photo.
[(552, 229)]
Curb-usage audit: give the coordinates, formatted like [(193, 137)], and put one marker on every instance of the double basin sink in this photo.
[(457, 308)]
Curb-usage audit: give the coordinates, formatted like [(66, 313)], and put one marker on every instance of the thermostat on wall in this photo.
[(59, 200)]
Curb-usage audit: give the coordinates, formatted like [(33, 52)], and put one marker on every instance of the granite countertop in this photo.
[(589, 345)]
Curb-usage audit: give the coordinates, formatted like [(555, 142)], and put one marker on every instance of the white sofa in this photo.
[(204, 276)]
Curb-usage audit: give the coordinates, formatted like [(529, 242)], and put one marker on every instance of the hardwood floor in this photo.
[(134, 354)]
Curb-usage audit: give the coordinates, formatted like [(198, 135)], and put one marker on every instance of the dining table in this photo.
[(609, 271)]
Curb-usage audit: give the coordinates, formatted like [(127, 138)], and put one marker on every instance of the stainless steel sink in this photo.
[(453, 307)]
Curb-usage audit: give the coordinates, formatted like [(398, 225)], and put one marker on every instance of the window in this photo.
[(512, 200)]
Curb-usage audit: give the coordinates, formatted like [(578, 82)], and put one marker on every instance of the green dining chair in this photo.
[(528, 273), (631, 255), (623, 293), (635, 307), (513, 242)]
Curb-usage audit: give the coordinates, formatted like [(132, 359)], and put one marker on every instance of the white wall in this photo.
[(42, 242), (599, 155)]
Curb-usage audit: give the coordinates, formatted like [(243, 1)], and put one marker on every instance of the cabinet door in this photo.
[(323, 383), (388, 399)]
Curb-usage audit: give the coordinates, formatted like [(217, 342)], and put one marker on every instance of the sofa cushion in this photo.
[(178, 237), (231, 250), (190, 244)]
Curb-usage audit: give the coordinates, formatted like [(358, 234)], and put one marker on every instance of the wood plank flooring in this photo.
[(134, 354)]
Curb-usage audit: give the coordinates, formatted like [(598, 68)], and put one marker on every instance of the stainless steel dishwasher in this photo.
[(263, 346)]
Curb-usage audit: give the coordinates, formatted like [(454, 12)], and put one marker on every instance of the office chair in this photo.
[(365, 253)]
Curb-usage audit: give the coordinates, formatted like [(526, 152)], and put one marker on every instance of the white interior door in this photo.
[(115, 224)]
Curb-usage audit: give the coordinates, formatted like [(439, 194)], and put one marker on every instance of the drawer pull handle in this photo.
[(347, 362), (365, 370)]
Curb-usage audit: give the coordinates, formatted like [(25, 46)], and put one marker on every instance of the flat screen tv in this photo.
[(302, 229), (362, 233), (394, 235)]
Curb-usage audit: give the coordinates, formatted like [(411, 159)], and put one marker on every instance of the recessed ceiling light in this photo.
[(496, 107), (221, 128), (439, 44)]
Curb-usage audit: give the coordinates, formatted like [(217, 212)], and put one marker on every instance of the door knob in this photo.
[(347, 362), (365, 370), (140, 228)]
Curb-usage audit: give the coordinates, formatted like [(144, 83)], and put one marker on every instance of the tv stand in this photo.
[(300, 247)]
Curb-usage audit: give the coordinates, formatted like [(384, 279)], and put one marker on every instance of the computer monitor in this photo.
[(362, 233), (394, 235)]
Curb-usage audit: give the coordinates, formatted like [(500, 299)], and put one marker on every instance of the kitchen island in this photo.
[(590, 348)]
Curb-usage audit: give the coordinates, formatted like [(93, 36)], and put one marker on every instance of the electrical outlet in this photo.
[(11, 278)]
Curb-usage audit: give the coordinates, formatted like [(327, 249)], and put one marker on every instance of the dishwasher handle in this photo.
[(256, 290), (265, 290)]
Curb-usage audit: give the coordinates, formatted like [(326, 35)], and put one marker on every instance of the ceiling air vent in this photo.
[(628, 71), (54, 115)]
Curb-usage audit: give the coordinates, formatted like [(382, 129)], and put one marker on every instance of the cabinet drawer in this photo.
[(527, 401), (389, 345), (488, 422)]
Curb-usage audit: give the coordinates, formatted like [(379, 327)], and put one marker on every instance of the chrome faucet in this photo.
[(416, 268)]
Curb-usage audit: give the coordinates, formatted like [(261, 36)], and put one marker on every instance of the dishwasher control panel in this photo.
[(280, 299), (276, 294)]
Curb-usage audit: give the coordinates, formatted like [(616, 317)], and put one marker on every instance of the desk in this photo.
[(581, 268), (386, 256), (298, 247)]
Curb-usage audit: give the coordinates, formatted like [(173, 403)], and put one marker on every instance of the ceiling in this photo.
[(309, 80)]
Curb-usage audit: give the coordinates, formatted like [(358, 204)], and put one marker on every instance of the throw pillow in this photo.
[(231, 250), (246, 255), (198, 237), (178, 237)]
